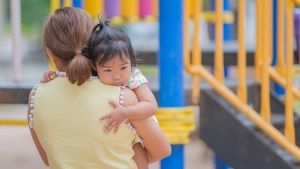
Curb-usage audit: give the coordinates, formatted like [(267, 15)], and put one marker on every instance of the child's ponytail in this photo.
[(79, 69)]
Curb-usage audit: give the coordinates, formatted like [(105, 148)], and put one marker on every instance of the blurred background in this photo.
[(22, 64), (142, 31)]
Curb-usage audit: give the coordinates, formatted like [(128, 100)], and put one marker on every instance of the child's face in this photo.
[(114, 72)]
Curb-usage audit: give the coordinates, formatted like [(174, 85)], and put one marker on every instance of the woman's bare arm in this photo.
[(154, 139), (35, 138)]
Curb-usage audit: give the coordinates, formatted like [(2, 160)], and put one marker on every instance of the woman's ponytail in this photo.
[(79, 69)]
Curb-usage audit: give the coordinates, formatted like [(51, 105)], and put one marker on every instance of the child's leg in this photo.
[(140, 156), (154, 140)]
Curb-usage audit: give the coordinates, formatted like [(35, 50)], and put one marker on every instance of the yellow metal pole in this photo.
[(270, 30), (232, 98), (186, 49), (219, 60), (54, 4), (189, 3), (265, 81), (289, 129), (129, 10), (196, 55), (259, 38), (13, 122), (242, 87), (94, 7), (67, 3), (297, 2), (248, 111), (280, 35), (282, 81)]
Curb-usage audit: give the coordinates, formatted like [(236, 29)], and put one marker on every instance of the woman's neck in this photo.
[(61, 68)]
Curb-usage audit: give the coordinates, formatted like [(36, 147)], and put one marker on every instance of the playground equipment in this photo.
[(264, 72), (271, 138), (128, 11), (16, 25), (118, 11)]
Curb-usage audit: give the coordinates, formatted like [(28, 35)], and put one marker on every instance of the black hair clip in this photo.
[(98, 27), (102, 22)]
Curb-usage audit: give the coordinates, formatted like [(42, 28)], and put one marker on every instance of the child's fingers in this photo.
[(110, 127), (113, 103), (107, 126), (116, 128), (44, 78), (108, 115), (48, 76), (53, 76)]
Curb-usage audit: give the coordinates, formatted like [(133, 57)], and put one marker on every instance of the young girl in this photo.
[(113, 60)]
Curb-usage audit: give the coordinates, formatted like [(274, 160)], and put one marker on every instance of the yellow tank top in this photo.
[(66, 122)]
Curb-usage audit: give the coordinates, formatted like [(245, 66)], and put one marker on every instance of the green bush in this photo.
[(33, 13)]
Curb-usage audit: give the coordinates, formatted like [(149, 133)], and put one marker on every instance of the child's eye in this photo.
[(107, 70), (123, 68)]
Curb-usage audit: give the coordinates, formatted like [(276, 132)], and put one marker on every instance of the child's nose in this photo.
[(116, 76)]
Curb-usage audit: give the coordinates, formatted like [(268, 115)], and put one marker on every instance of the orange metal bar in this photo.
[(259, 47), (219, 60), (155, 7), (297, 2), (269, 8), (289, 129), (190, 5), (280, 35), (282, 81), (242, 87), (265, 109), (248, 111), (232, 98)]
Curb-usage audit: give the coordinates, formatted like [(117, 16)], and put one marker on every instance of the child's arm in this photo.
[(147, 105), (145, 108)]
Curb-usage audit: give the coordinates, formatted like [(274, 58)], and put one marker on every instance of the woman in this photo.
[(63, 113)]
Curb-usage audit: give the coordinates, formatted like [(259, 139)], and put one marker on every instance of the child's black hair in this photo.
[(107, 42)]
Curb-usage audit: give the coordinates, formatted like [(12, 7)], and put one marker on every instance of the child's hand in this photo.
[(115, 117), (48, 76)]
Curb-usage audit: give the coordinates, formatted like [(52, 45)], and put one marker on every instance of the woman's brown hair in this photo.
[(65, 35)]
